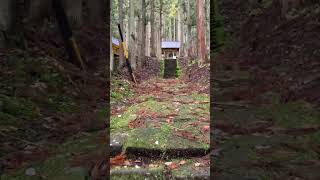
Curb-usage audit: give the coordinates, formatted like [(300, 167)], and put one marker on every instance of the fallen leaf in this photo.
[(205, 129), (185, 134), (173, 166), (118, 160)]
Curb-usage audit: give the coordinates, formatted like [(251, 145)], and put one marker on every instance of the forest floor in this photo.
[(52, 126), (161, 130), (257, 135)]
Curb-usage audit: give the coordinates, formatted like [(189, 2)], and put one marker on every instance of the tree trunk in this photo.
[(153, 38), (181, 31), (74, 11), (143, 31), (189, 45), (201, 32), (213, 43), (39, 9), (160, 32), (131, 43), (148, 37), (121, 13), (96, 11), (284, 8)]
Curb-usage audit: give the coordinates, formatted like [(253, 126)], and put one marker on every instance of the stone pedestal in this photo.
[(170, 66)]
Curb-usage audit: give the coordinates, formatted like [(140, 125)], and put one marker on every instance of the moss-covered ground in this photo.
[(43, 127), (165, 120), (262, 139)]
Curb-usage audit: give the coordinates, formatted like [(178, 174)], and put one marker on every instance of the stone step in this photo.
[(182, 171)]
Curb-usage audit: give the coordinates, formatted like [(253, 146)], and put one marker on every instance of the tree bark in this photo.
[(131, 34), (121, 13), (96, 11), (201, 32), (74, 11), (143, 32), (153, 37), (181, 29), (160, 32), (189, 45)]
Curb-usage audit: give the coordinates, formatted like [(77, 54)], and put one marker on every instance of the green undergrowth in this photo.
[(31, 85), (241, 157), (163, 138), (150, 174), (178, 71), (120, 122), (292, 115), (59, 166), (120, 90)]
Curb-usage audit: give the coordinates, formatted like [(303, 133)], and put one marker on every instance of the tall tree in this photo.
[(121, 17), (74, 11), (153, 35), (143, 31), (96, 11), (201, 32), (189, 39), (160, 22), (284, 8), (131, 34), (181, 29)]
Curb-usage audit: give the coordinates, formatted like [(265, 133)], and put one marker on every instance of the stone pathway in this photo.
[(163, 134), (257, 136)]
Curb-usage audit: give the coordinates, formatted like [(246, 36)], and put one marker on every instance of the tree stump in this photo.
[(170, 67)]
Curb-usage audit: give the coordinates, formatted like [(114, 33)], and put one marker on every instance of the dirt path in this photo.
[(163, 133)]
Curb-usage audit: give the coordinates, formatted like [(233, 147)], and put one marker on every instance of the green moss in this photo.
[(120, 90), (152, 174), (120, 123), (102, 113), (8, 120), (58, 167), (292, 115), (187, 170), (20, 107), (82, 143), (147, 137), (161, 63), (160, 138), (178, 70)]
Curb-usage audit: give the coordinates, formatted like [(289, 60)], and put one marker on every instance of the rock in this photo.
[(30, 172)]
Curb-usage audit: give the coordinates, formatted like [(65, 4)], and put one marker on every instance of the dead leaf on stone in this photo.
[(205, 129), (173, 166), (118, 160)]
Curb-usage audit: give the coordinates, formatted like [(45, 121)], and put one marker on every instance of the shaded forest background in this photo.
[(146, 23), (277, 41), (45, 97)]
